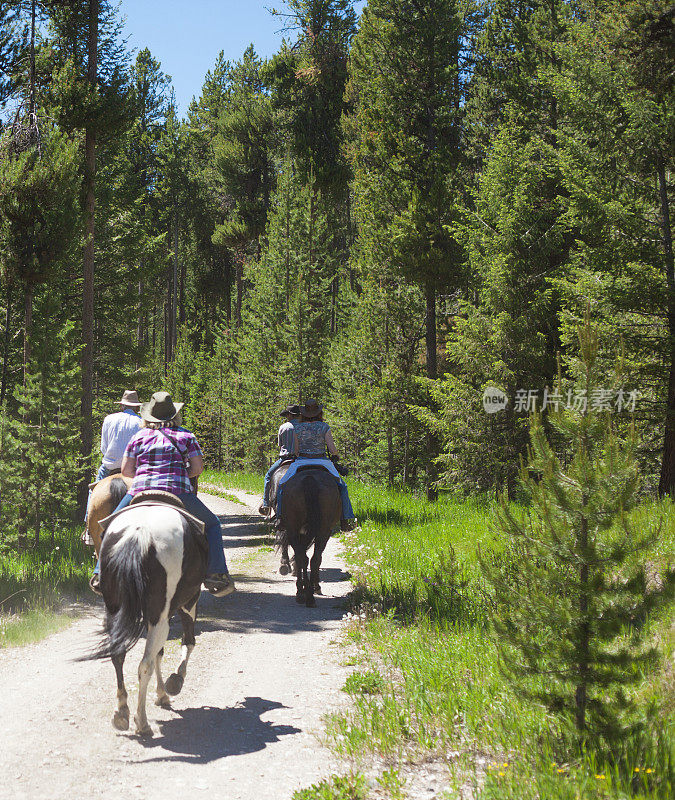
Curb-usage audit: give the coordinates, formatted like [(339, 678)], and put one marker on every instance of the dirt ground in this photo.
[(246, 725)]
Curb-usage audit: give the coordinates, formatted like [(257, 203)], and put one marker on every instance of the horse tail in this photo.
[(125, 626), (311, 528)]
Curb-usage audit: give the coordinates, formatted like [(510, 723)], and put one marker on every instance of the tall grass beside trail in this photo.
[(246, 481), (34, 582), (428, 684)]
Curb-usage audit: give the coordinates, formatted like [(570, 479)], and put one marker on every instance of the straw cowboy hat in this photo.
[(160, 408), (291, 411), (130, 399), (311, 409)]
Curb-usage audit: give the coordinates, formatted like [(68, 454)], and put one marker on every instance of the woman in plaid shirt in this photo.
[(164, 456)]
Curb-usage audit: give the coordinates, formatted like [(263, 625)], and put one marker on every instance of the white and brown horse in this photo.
[(153, 562)]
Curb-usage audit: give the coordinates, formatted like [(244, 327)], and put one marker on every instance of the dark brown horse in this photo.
[(310, 512)]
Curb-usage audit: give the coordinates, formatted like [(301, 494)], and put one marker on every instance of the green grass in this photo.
[(31, 625), (246, 481), (429, 678), (345, 787), (34, 581)]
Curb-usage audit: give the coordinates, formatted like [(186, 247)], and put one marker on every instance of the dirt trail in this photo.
[(245, 726)]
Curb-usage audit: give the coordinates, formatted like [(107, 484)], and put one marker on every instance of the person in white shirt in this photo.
[(118, 430)]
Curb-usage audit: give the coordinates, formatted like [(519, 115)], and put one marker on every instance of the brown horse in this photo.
[(105, 497), (310, 512)]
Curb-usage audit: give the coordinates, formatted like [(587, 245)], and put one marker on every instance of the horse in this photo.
[(153, 562), (105, 497), (311, 510)]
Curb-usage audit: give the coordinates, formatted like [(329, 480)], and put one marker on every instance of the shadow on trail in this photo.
[(202, 735), (255, 611)]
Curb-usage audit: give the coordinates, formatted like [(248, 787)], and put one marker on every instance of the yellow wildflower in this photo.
[(648, 771), (637, 769), (502, 774), (600, 777)]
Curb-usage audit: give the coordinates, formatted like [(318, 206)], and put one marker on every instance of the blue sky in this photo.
[(185, 36)]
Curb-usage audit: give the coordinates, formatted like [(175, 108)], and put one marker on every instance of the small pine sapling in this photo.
[(570, 592)]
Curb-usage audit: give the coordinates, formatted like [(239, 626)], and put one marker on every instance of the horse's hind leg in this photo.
[(121, 716), (157, 635), (301, 581), (163, 698), (285, 566), (315, 567), (187, 615)]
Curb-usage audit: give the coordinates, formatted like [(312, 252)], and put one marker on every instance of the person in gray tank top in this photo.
[(312, 438), (286, 438)]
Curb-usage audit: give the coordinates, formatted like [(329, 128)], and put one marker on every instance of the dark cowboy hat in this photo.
[(291, 411), (160, 408), (311, 409), (130, 399)]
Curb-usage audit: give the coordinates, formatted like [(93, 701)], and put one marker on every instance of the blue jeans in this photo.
[(268, 478), (193, 505)]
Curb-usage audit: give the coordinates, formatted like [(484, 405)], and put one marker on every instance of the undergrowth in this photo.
[(420, 618), (34, 581)]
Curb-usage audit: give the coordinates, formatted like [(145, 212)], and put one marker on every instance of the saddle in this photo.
[(156, 496)]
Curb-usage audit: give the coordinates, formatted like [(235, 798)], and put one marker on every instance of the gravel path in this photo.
[(246, 725)]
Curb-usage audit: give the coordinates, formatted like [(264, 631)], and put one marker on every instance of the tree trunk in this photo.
[(240, 288), (667, 479), (27, 330), (139, 325), (87, 359), (432, 372), (5, 355), (390, 452), (181, 292), (581, 693), (174, 294), (406, 450)]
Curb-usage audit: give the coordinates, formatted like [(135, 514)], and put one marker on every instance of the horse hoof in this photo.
[(311, 602), (121, 720), (299, 598), (164, 701), (174, 683), (285, 568), (143, 730), (317, 590)]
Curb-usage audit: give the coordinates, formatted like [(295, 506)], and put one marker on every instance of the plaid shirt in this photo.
[(158, 464)]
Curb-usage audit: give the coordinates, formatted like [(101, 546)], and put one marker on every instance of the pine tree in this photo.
[(308, 81), (405, 145), (244, 161), (38, 214), (569, 601), (39, 465)]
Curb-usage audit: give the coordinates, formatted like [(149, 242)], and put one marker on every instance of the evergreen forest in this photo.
[(392, 215)]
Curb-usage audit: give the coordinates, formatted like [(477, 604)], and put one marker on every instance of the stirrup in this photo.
[(95, 584)]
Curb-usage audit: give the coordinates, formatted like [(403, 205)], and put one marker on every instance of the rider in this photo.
[(116, 433), (286, 438), (164, 456), (312, 437)]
